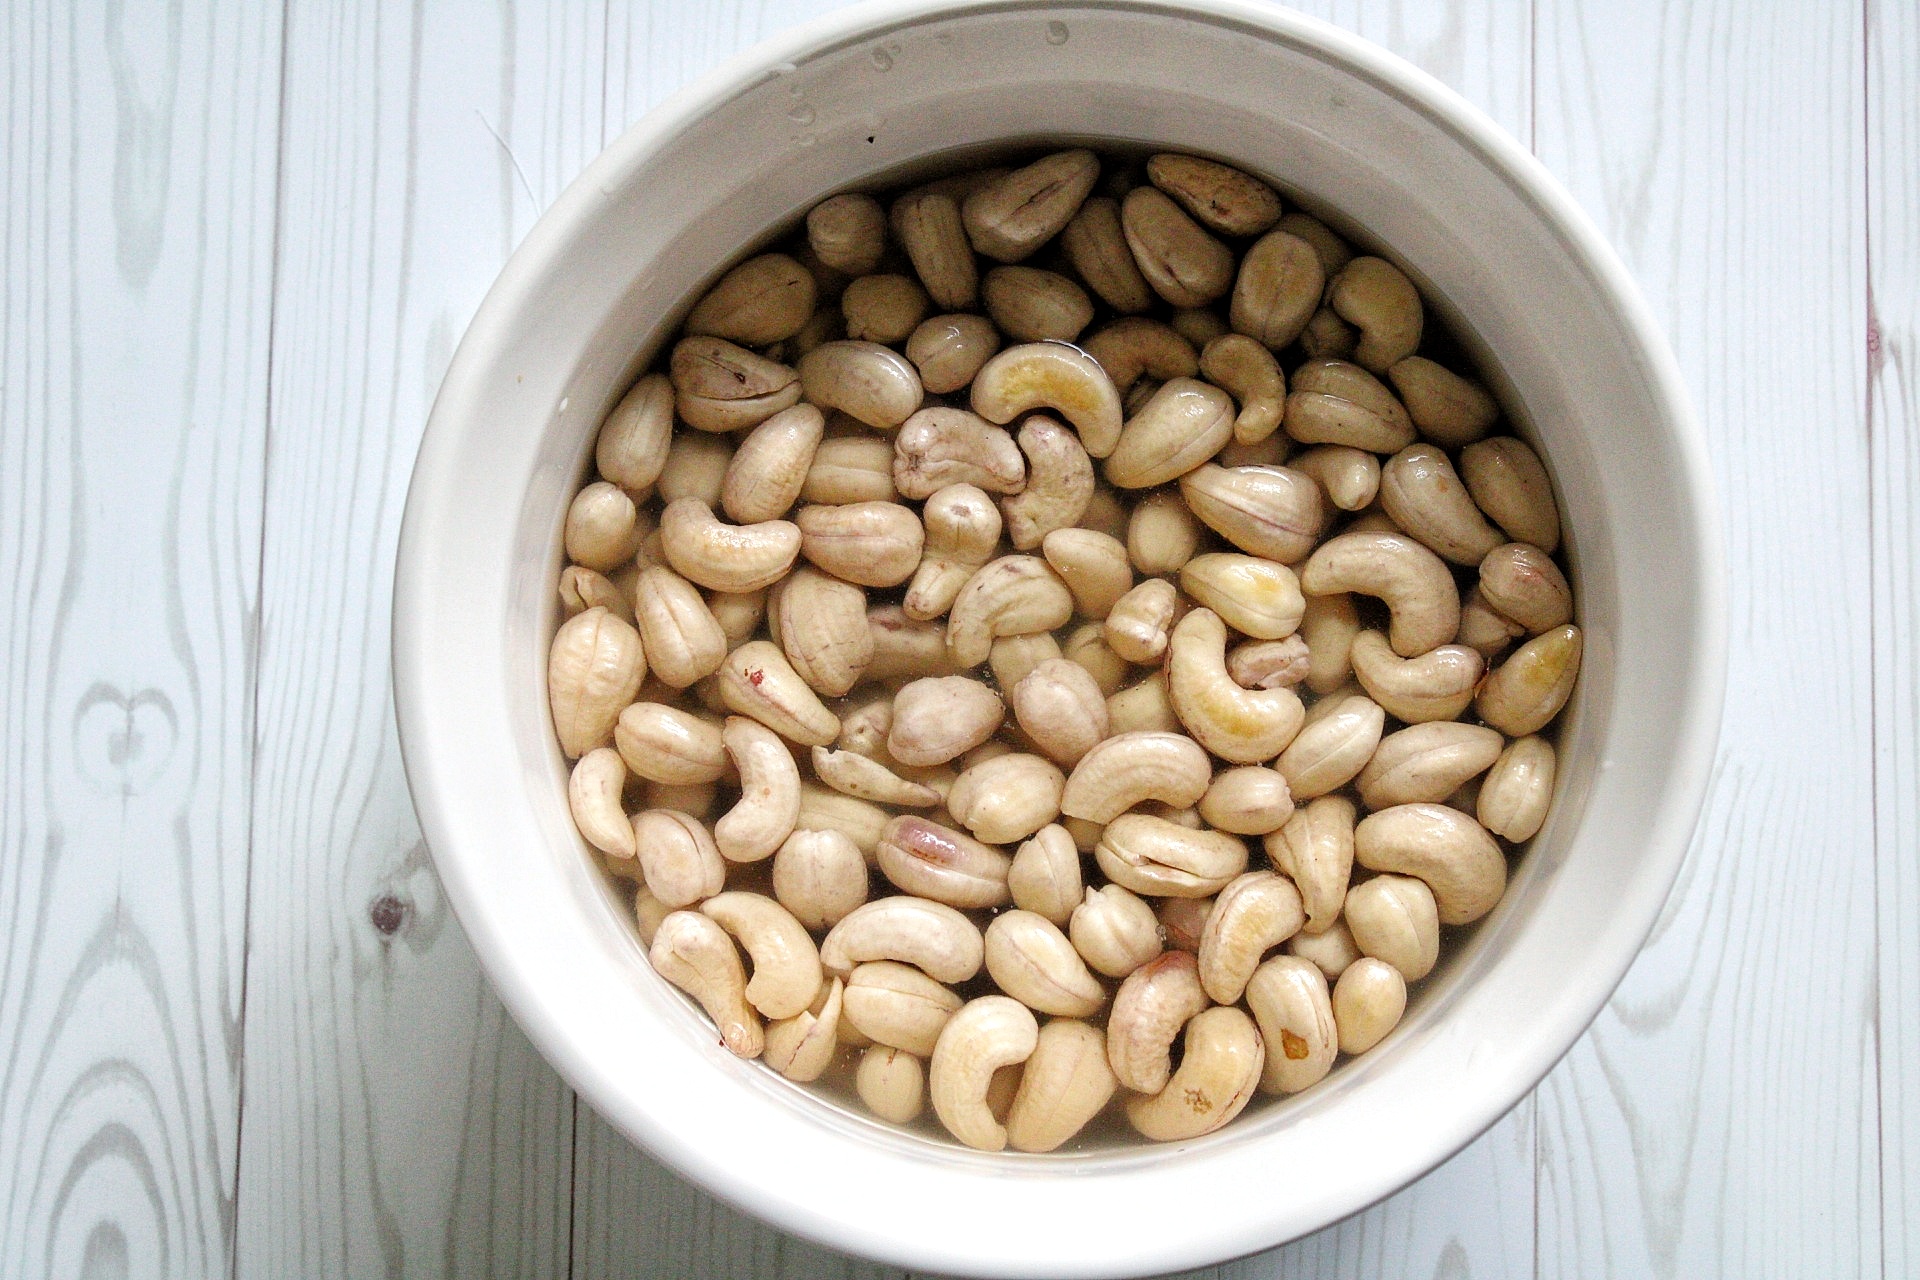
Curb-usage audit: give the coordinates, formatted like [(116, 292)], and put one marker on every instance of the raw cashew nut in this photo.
[(1523, 694), (932, 861), (873, 544), (904, 647), (1255, 596), (1007, 798), (1419, 489), (938, 447), (850, 469), (1060, 483), (786, 965), (948, 350), (1138, 624), (593, 794), (631, 448), (853, 774), (1238, 725), (1254, 914), (1225, 199), (1144, 708), (1093, 565), (1367, 1003), (1217, 1077), (1414, 583), (1114, 930), (983, 1036), (594, 669), (696, 467), (1517, 789), (1330, 952), (757, 680), (1044, 877), (721, 387), (1032, 961), (875, 384), (962, 531), (1015, 214), (1372, 295), (1051, 375), (1349, 477), (769, 803), (601, 530), (1449, 410), (1332, 750), (1275, 512), (1249, 801), (769, 469), (930, 936), (1329, 626), (665, 744), (883, 308), (1065, 1083), (1334, 402), (1393, 918), (1269, 664), (1291, 1004), (695, 954), (940, 717), (648, 912), (1059, 706), (930, 229), (1164, 859), (1278, 288), (1130, 768), (761, 301), (1249, 371), (1087, 648), (1134, 345), (582, 589), (802, 1047), (820, 623), (1315, 850), (848, 232), (891, 1082), (1185, 265), (1484, 628), (1328, 337), (1012, 657), (1509, 483), (1096, 247), (820, 876), (726, 557), (825, 810), (1426, 763), (1184, 920), (896, 1004), (1149, 1010), (1437, 685), (1162, 534), (1011, 596), (1449, 850), (683, 640), (1031, 305), (1185, 423), (1519, 582)]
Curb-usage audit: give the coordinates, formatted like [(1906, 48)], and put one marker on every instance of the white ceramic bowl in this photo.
[(580, 310)]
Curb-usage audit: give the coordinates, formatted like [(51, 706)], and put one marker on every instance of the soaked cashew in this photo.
[(1275, 512), (1335, 402), (883, 308), (684, 641), (1249, 801), (1328, 337), (724, 557), (1130, 768), (764, 478), (1393, 918), (1093, 565), (600, 529), (1372, 295), (1253, 595), (757, 680), (1294, 1011), (593, 795), (1315, 850), (872, 383), (648, 912), (896, 1004), (631, 449), (1423, 495), (1218, 1074), (1449, 410), (665, 744), (1242, 726), (932, 861), (695, 954), (1060, 483), (1097, 249), (802, 1047), (1051, 375), (1141, 621), (582, 589), (1151, 1007), (761, 301), (820, 876), (1227, 200), (786, 965), (891, 1082), (983, 1036), (1522, 583), (1044, 877), (1414, 583), (1426, 763), (848, 232), (1134, 345), (696, 467), (721, 387), (1159, 858), (1332, 750), (931, 936), (1329, 626), (1437, 685), (1007, 798), (1330, 952), (1162, 534), (1065, 1083), (1517, 790), (1367, 1003), (1031, 960), (1012, 657), (1349, 477), (594, 669), (739, 614), (1143, 708), (1031, 305), (948, 350), (938, 718), (1446, 848), (820, 623), (1249, 371), (769, 803), (930, 229), (860, 821), (850, 469), (1183, 425), (873, 544), (939, 447), (1114, 930), (1484, 628), (1269, 664), (1277, 289), (1185, 265), (1087, 648), (1011, 596), (962, 530), (856, 775), (1059, 706), (1012, 216), (1183, 921), (1509, 483), (1523, 694), (905, 646), (1254, 913)]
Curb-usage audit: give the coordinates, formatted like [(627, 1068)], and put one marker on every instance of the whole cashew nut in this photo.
[(820, 623), (1161, 858), (820, 876), (1227, 200), (850, 469), (1139, 623), (930, 936), (896, 1004), (1032, 961), (983, 1036), (1031, 305), (769, 803), (631, 449), (594, 669), (1093, 565), (1007, 798), (1349, 477), (1315, 850), (1517, 789), (891, 1082), (1060, 483), (1255, 913), (1255, 596), (1330, 952), (938, 447), (1243, 726), (1367, 1003), (601, 531), (1011, 596), (683, 640), (1149, 1010), (1051, 375), (593, 795), (721, 387), (848, 232), (764, 478), (695, 954), (962, 531), (1114, 930), (1217, 1077), (1065, 1083), (1414, 583), (1162, 534), (1523, 694), (665, 744), (1335, 402), (1278, 288), (1179, 428), (1332, 750), (1509, 483), (1294, 1010), (1044, 877), (1134, 345), (1185, 265), (948, 350), (1426, 763), (873, 544), (757, 680), (932, 861), (883, 308), (724, 557), (1059, 705), (930, 229), (1252, 800), (1248, 370), (1520, 582), (1329, 626), (1012, 216), (1096, 248), (1129, 768), (1375, 297), (860, 821), (786, 965), (1446, 848), (865, 778), (938, 718), (1449, 410), (1393, 918), (875, 384), (1437, 685), (1275, 512), (759, 302), (1421, 492)]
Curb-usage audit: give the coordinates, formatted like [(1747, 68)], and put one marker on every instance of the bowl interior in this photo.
[(609, 272)]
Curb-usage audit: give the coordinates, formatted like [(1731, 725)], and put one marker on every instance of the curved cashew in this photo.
[(1133, 345), (930, 936), (1138, 623), (786, 965), (860, 821), (769, 803), (1278, 288), (938, 447), (1161, 858), (1051, 375), (631, 448), (1426, 763), (1096, 248), (1149, 1009), (1484, 628), (891, 1082), (1130, 768), (1238, 725), (1376, 298), (1367, 1003), (820, 876), (962, 530), (864, 778), (1225, 199), (1031, 305), (1114, 930), (1065, 1083), (1349, 477), (594, 668), (1253, 914), (875, 384), (1087, 648), (757, 680), (1334, 402), (1330, 952), (802, 1047), (1256, 596), (1249, 372), (848, 232), (1393, 918), (1517, 790), (983, 1036), (1058, 705), (820, 623), (874, 544), (1520, 582), (1414, 583), (1007, 798), (764, 478), (665, 744), (932, 861), (683, 640), (1184, 264), (1329, 752), (696, 467), (721, 387), (1328, 247), (896, 1004), (1032, 961), (1291, 1004), (1162, 534), (850, 469), (940, 717), (1315, 850), (1449, 410), (1275, 512), (600, 528), (695, 954), (1044, 877), (948, 350), (1509, 483), (1249, 801), (725, 557), (1017, 212), (1449, 850), (1523, 694), (1217, 1077), (1060, 484), (1423, 495), (904, 647), (1437, 685), (883, 308), (593, 794), (1185, 423), (928, 223), (1011, 596)]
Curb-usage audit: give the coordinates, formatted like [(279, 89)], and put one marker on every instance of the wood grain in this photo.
[(1720, 1119), (139, 160)]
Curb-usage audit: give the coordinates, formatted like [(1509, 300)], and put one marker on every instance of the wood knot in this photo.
[(388, 913)]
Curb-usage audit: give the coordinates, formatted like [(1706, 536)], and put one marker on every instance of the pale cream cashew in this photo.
[(764, 478), (872, 544), (1060, 484), (1271, 452), (1336, 402), (761, 301), (1114, 930), (1134, 345), (1332, 750), (1367, 1003), (593, 795), (1251, 800), (1484, 628), (1162, 534), (1509, 483), (1044, 876), (1129, 768), (786, 965), (1449, 410), (1096, 248), (931, 936), (1253, 595), (1349, 477), (1058, 705), (1253, 914), (884, 308), (696, 467), (582, 589), (695, 954), (1011, 596), (891, 1082), (1315, 850), (1051, 375), (1065, 1083), (684, 641), (721, 387), (1277, 289), (1520, 582), (1220, 1070), (905, 646), (983, 1036), (932, 861), (631, 449), (1180, 427), (802, 1047), (1164, 859), (1185, 265), (962, 531), (848, 232), (1329, 625), (1008, 798), (1010, 217), (1087, 648), (1446, 848), (1517, 790), (895, 1004), (1437, 685), (928, 223), (648, 912), (1294, 1010), (1150, 1008), (1242, 726), (1523, 694), (594, 669), (769, 805), (1270, 664), (850, 469), (1249, 372), (1140, 622), (823, 809), (1413, 582), (1012, 657), (853, 774), (1031, 305), (665, 744), (872, 383), (864, 728), (948, 350), (820, 623), (726, 557), (695, 799), (757, 680), (1275, 512), (1330, 951), (1426, 763), (601, 526), (938, 447), (1393, 918), (739, 614), (1423, 495), (1031, 960), (820, 876), (938, 718), (1375, 297)]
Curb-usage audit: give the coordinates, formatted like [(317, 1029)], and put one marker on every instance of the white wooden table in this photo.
[(241, 1033)]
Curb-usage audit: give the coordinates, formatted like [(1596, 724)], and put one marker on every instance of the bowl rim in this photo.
[(1669, 830)]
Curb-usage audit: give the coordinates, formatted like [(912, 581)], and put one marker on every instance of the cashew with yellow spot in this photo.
[(1218, 1074), (1294, 1011), (1060, 483), (1523, 694), (1051, 375), (1238, 725), (1253, 595)]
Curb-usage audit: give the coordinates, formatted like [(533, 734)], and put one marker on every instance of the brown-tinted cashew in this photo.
[(1183, 425), (1185, 265), (1065, 1083), (1161, 858), (1277, 290), (593, 796), (631, 449), (1254, 595), (1150, 1008), (1096, 247), (1162, 534), (1238, 725), (930, 936), (1007, 798), (1219, 1071), (874, 544), (1349, 477), (820, 623), (665, 744), (1059, 706), (1419, 489), (1044, 877), (1449, 410), (601, 531), (891, 1082), (1393, 918), (948, 350), (1414, 583), (1375, 297), (1254, 913), (1093, 565), (684, 641), (883, 308), (721, 387), (1059, 485), (695, 954), (1315, 850), (850, 469), (1446, 848), (820, 876), (1333, 749), (929, 226), (1227, 200), (1032, 961), (1517, 790), (1051, 375), (1523, 694), (1009, 218), (1011, 596), (937, 718), (1437, 685), (848, 232), (759, 302), (1367, 1003), (962, 530), (1335, 402), (983, 1036), (757, 680), (1031, 305), (938, 447), (1327, 337), (1426, 763), (932, 861), (769, 803), (875, 384), (1274, 512), (1249, 371), (770, 467), (1509, 483), (1134, 345), (725, 557), (786, 965), (594, 669), (1294, 1010), (896, 1004), (1520, 582), (1130, 768)]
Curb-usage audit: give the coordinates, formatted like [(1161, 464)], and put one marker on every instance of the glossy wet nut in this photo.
[(1032, 961), (948, 350), (820, 876), (1437, 685), (1251, 800), (677, 856), (930, 229), (1518, 789), (1096, 247), (1314, 849), (594, 668), (1144, 707), (1031, 305), (600, 526), (938, 718), (1393, 918), (850, 469), (1010, 596), (904, 646), (1294, 1011), (1523, 583), (872, 383), (883, 308), (1335, 402), (1484, 628), (1328, 337), (786, 965), (1253, 914), (696, 955), (930, 936), (896, 1004), (721, 387), (1160, 858), (1130, 768), (853, 774), (1412, 581), (1183, 425), (1065, 1083), (1013, 657), (962, 531), (1141, 621), (1051, 375), (1183, 263), (848, 232), (892, 1083), (695, 799), (1367, 1003), (648, 911), (1269, 664), (1059, 706), (983, 1036), (1114, 930), (1423, 495), (1372, 295), (761, 301), (1150, 1008), (1523, 694), (1059, 484), (1330, 951), (932, 861), (1448, 409), (937, 447), (582, 589), (769, 805), (1162, 534), (820, 623), (1242, 726), (1007, 798), (861, 821), (1349, 477), (1093, 565), (593, 795), (1009, 218), (764, 478), (873, 544), (1225, 199), (1426, 763), (1329, 626), (1086, 647), (726, 557), (1044, 877), (631, 448), (696, 467), (802, 1047), (757, 680), (684, 641), (1134, 345), (1250, 373), (1275, 512), (1446, 848), (1219, 1071), (667, 744), (1277, 289), (1334, 749), (1254, 595), (1510, 485)]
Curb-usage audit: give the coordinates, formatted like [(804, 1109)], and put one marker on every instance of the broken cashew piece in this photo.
[(983, 1036), (865, 778)]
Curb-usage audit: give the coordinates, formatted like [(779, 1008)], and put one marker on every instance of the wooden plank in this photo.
[(139, 167), (1893, 338), (396, 1121), (1720, 1117)]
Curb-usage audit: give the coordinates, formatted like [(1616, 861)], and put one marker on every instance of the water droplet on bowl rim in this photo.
[(1056, 33)]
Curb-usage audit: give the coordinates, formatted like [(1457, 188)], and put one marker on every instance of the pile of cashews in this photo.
[(932, 671)]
